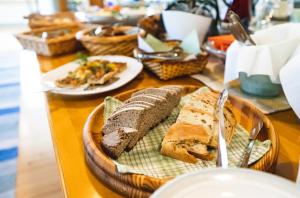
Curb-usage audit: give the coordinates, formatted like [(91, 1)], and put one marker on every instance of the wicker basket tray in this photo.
[(137, 185), (166, 70), (42, 21), (113, 45), (59, 44)]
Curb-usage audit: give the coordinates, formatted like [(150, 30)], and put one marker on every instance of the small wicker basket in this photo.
[(59, 44), (41, 21), (113, 45), (167, 69)]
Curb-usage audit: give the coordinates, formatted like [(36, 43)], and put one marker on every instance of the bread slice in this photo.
[(229, 124), (200, 110), (184, 142), (176, 88), (147, 98), (171, 96), (115, 142), (121, 118), (144, 110), (195, 129), (154, 91), (136, 103)]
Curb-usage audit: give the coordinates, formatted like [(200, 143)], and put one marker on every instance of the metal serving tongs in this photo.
[(237, 29), (175, 54), (250, 145), (222, 158)]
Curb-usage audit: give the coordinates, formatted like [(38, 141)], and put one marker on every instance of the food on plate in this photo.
[(132, 120), (194, 135), (95, 72), (221, 42)]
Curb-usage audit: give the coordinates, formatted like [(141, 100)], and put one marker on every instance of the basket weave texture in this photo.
[(52, 46), (166, 70), (113, 45)]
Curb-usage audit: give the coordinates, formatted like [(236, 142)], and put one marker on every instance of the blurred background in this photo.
[(14, 18)]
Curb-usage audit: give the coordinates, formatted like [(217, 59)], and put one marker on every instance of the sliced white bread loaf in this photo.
[(183, 142), (198, 112)]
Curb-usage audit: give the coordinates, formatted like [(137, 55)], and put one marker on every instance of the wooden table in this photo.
[(67, 116)]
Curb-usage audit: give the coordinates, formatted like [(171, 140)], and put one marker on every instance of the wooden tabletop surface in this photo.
[(67, 116)]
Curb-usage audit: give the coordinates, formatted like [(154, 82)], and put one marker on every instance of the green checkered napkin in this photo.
[(145, 157)]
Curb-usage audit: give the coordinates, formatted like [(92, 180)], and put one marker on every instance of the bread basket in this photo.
[(168, 69), (41, 21), (64, 40), (112, 45)]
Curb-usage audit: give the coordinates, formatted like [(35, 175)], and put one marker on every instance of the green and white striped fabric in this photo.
[(145, 157)]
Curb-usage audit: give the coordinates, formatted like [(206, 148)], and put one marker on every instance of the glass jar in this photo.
[(282, 9)]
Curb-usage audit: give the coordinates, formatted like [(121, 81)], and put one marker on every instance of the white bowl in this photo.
[(179, 24), (233, 183)]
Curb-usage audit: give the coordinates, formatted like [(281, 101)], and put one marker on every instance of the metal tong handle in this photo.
[(238, 30), (247, 153), (174, 54), (250, 145), (222, 159)]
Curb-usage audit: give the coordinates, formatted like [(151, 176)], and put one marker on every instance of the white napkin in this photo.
[(277, 55), (152, 44), (190, 44), (179, 24), (274, 48), (290, 81)]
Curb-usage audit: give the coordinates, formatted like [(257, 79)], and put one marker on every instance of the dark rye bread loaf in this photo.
[(120, 119), (136, 103), (115, 142), (144, 110), (171, 96), (176, 88), (160, 112)]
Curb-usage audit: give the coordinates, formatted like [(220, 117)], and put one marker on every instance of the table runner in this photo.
[(9, 113), (145, 157), (9, 120)]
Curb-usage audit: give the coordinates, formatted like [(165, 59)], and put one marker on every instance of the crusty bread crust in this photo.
[(183, 142), (198, 113)]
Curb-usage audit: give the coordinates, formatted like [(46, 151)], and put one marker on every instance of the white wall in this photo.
[(13, 11)]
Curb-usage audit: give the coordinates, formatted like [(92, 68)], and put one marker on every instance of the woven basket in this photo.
[(41, 21), (52, 46), (114, 45), (166, 70)]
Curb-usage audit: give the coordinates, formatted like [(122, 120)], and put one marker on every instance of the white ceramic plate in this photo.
[(133, 69), (233, 183)]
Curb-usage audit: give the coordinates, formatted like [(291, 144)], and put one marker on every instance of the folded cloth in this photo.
[(274, 47), (289, 77), (145, 157)]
